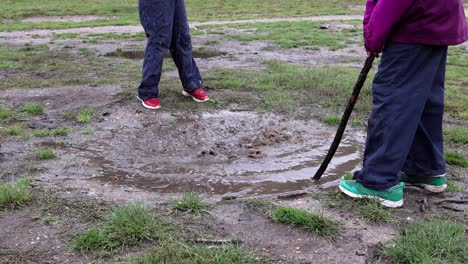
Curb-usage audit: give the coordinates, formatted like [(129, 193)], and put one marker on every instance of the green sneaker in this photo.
[(392, 197), (436, 184)]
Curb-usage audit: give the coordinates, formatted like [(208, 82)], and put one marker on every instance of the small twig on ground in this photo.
[(292, 194), (460, 201), (216, 241)]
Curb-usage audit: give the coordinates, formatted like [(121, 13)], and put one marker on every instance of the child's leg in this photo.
[(401, 89), (157, 17), (181, 49), (426, 157)]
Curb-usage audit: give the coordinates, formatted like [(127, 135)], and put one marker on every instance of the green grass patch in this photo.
[(11, 130), (454, 187), (99, 37), (456, 134), (87, 131), (436, 241), (6, 114), (454, 158), (180, 253), (86, 52), (456, 101), (65, 36), (315, 223), (33, 109), (41, 133), (63, 131), (373, 211), (305, 34), (331, 120), (190, 202), (61, 68), (125, 12), (279, 101), (356, 122), (370, 210), (126, 225), (463, 115), (283, 86), (16, 193), (348, 176), (85, 115), (44, 153)]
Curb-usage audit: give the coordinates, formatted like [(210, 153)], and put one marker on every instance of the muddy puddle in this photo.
[(199, 53), (239, 153)]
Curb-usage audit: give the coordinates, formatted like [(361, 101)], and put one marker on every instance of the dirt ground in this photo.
[(236, 152)]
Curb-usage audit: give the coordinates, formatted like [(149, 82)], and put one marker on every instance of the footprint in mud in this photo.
[(256, 154)]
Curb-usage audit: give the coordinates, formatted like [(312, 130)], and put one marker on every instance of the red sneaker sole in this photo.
[(148, 106), (184, 93)]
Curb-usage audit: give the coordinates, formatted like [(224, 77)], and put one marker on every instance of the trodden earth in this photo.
[(214, 174)]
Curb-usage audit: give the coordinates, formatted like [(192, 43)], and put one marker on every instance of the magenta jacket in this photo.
[(426, 22)]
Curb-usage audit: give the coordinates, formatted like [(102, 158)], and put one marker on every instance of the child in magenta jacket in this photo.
[(404, 139)]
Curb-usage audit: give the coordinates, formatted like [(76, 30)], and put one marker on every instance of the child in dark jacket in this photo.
[(404, 138)]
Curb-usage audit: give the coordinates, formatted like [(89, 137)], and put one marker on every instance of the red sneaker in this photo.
[(198, 95), (151, 103)]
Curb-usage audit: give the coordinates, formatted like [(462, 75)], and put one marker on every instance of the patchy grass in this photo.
[(455, 158), (282, 86), (41, 133), (180, 253), (60, 68), (99, 37), (279, 101), (85, 115), (65, 36), (124, 12), (6, 114), (126, 225), (454, 187), (370, 210), (436, 241), (15, 193), (331, 120), (456, 134), (45, 153), (87, 131), (305, 34), (86, 52), (348, 176), (356, 122), (63, 131), (373, 211), (33, 109), (11, 130), (315, 223), (190, 202), (457, 101)]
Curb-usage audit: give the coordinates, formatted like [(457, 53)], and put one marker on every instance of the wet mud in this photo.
[(218, 153)]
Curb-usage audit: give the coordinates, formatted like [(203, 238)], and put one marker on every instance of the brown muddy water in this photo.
[(224, 153)]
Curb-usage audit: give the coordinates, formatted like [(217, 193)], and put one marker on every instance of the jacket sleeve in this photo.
[(380, 18)]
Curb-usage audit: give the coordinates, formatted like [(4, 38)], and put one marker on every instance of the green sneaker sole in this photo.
[(428, 187), (384, 202)]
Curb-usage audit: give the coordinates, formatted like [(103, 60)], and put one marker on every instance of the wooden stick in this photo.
[(344, 120)]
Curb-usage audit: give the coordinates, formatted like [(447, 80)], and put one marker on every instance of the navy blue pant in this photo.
[(166, 26), (405, 127)]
